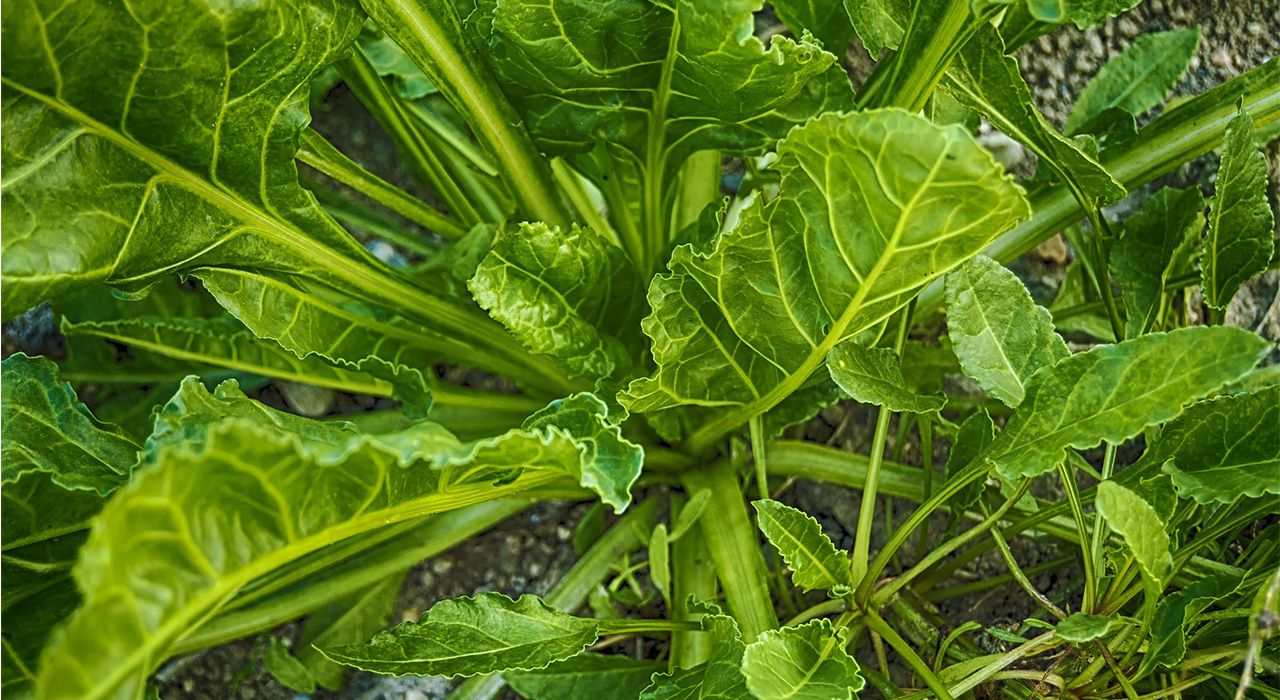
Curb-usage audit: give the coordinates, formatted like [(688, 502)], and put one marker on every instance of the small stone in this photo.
[(1094, 42), (1221, 58), (307, 400), (441, 566), (563, 533), (1129, 28)]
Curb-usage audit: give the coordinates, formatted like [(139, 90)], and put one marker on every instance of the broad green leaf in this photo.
[(27, 626), (232, 491), (804, 662), (976, 433), (585, 676), (659, 80), (874, 375), (814, 561), (1079, 628), (983, 78), (1083, 13), (880, 24), (1141, 529), (1130, 84), (225, 342), (608, 463), (287, 670), (843, 246), (1240, 239), (1168, 644), (1112, 392), (48, 430), (1147, 254), (825, 19), (1222, 449), (719, 677), (345, 621), (572, 296), (998, 333), (470, 636)]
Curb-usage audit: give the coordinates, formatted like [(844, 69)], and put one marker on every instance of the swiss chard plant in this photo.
[(642, 245)]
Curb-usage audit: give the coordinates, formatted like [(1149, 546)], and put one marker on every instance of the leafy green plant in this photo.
[(651, 244)]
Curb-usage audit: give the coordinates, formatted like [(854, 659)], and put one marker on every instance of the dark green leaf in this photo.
[(825, 19), (1133, 82), (814, 561), (345, 621), (841, 248), (585, 676), (808, 662), (999, 334), (976, 433), (470, 636), (572, 296), (1079, 628), (1240, 239), (1140, 527), (1222, 449), (1173, 616), (1154, 240), (1112, 392), (874, 376), (1072, 295), (984, 79), (287, 670)]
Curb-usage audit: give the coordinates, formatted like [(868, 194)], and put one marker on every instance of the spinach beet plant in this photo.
[(650, 246)]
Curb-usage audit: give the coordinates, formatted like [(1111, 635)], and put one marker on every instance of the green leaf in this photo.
[(1221, 449), (470, 636), (880, 24), (690, 513), (1084, 13), (1148, 253), (1240, 238), (585, 676), (232, 491), (1141, 528), (1173, 616), (1133, 82), (738, 328), (658, 80), (804, 662), (1000, 335), (345, 621), (1072, 294), (984, 79), (1079, 628), (660, 561), (718, 677), (287, 670), (28, 626), (874, 376), (1112, 392), (825, 19), (48, 430), (608, 464), (814, 561), (572, 296), (976, 433)]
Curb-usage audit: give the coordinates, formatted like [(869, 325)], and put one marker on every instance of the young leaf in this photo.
[(1079, 628), (874, 376), (1173, 616), (572, 296), (1112, 392), (984, 79), (814, 561), (1072, 295), (470, 636), (880, 24), (586, 675), (1083, 13), (808, 661), (690, 513), (825, 19), (1140, 527), (660, 561), (345, 621), (1221, 449), (718, 677), (247, 490), (999, 334), (1133, 82), (287, 670), (740, 327), (975, 434), (1149, 250), (1240, 238)]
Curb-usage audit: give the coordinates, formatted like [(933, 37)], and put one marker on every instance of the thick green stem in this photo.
[(867, 505), (692, 578), (908, 77), (900, 645), (735, 549), (431, 34)]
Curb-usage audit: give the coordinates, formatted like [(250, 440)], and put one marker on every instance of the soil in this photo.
[(528, 553)]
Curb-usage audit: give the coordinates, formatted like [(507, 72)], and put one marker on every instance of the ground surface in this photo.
[(530, 552)]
